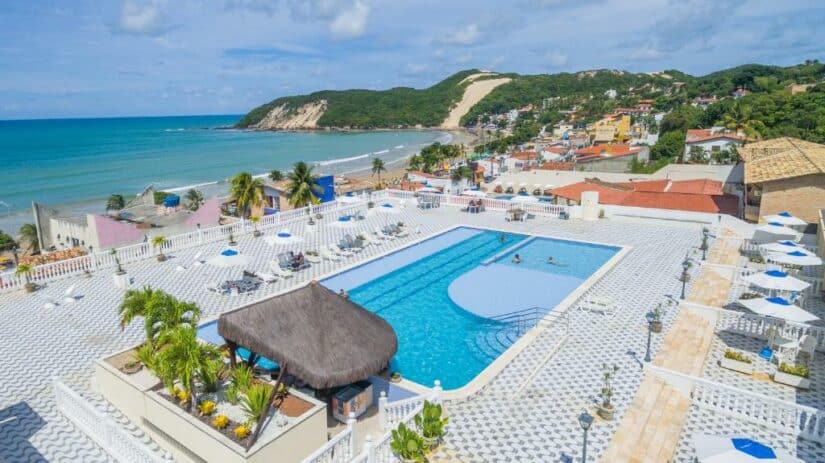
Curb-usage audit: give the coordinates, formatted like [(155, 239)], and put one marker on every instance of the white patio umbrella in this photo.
[(784, 246), (229, 258), (348, 199), (429, 189), (388, 208), (728, 449), (778, 280), (785, 218), (282, 237), (548, 187), (474, 193), (774, 230), (794, 258), (778, 307), (523, 199), (345, 221)]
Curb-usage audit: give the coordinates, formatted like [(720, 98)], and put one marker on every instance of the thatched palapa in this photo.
[(315, 334)]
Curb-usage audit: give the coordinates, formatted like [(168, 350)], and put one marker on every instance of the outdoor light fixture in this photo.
[(651, 317), (705, 233), (585, 420), (685, 268)]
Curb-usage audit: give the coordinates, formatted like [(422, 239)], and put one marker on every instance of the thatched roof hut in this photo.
[(319, 336)]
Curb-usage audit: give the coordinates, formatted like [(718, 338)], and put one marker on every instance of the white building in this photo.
[(710, 141)]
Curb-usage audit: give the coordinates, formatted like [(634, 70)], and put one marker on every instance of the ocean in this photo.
[(75, 164)]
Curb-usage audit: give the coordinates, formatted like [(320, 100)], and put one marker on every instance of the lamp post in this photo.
[(705, 233), (685, 276), (651, 317), (585, 420)]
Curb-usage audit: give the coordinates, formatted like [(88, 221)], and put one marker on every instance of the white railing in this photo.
[(392, 413), (780, 415), (104, 430), (490, 204), (738, 273), (760, 327), (339, 449), (136, 252), (380, 451)]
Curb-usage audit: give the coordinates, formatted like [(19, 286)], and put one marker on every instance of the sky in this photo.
[(93, 58)]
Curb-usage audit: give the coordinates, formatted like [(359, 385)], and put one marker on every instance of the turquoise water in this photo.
[(437, 339), (70, 161), (571, 258)]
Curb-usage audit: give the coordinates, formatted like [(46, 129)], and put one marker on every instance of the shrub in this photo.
[(429, 422), (796, 370), (145, 354), (240, 378), (407, 444), (242, 431), (210, 374), (736, 355), (220, 421), (255, 401), (206, 408)]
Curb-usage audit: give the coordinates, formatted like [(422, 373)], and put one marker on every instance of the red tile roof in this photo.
[(700, 195), (592, 153), (525, 155), (555, 165), (702, 135)]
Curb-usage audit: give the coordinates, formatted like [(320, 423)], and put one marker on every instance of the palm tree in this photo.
[(25, 270), (115, 203), (28, 233), (135, 304), (415, 162), (165, 314), (255, 219), (157, 243), (377, 168), (194, 199), (739, 119), (247, 192), (276, 175), (182, 359), (303, 188)]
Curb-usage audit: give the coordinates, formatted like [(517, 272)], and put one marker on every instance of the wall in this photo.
[(801, 196), (110, 233), (67, 228), (707, 146), (620, 164), (208, 215)]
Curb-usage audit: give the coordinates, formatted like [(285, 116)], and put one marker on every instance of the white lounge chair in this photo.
[(325, 252), (788, 351), (368, 240), (267, 277), (341, 252), (403, 232), (598, 304), (275, 267), (198, 260), (384, 236), (313, 259), (69, 296), (51, 303)]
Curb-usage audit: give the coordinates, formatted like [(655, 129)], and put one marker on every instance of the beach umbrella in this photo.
[(282, 237), (778, 307), (348, 198), (772, 231), (784, 246), (345, 221), (429, 189), (775, 279), (785, 218), (229, 258), (726, 449), (548, 187), (388, 208), (474, 193), (794, 258)]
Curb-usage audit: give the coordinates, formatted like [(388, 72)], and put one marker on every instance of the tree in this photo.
[(6, 241), (194, 199), (157, 243), (182, 358), (377, 168), (463, 172), (415, 162), (303, 188), (680, 119), (276, 175), (28, 233), (669, 146), (115, 203), (165, 313), (739, 119), (135, 304), (696, 153), (247, 192)]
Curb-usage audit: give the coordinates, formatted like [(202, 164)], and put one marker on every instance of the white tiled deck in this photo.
[(537, 424)]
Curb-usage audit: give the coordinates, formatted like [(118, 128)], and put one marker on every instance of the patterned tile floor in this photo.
[(508, 421)]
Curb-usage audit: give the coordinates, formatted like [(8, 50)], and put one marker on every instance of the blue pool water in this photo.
[(572, 258)]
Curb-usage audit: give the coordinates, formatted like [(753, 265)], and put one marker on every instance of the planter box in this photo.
[(122, 281), (792, 380), (736, 365)]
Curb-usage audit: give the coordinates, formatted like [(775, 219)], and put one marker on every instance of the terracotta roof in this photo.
[(555, 165), (702, 135), (525, 155), (702, 186), (782, 158), (557, 149), (592, 153)]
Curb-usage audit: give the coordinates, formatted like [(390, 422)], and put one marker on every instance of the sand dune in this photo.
[(472, 95)]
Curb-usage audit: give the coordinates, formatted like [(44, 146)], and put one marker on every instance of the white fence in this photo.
[(339, 449), (738, 285), (101, 428), (539, 208), (392, 413), (380, 451), (780, 415)]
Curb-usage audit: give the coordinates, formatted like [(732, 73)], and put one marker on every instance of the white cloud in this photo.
[(646, 53), (466, 35), (351, 22), (141, 18), (556, 58)]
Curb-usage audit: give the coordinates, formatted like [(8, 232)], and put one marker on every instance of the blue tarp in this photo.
[(171, 201)]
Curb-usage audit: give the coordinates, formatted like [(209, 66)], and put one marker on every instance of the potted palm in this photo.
[(606, 409), (431, 424), (736, 361), (255, 219), (157, 243), (232, 241), (793, 375), (25, 270), (407, 445), (656, 322), (118, 268)]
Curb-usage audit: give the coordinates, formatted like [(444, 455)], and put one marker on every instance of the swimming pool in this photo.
[(437, 337)]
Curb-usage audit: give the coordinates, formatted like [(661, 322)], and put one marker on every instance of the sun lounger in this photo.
[(341, 252), (402, 232), (198, 260), (276, 268), (598, 304), (381, 235), (314, 259), (327, 254), (69, 296), (371, 241), (267, 277)]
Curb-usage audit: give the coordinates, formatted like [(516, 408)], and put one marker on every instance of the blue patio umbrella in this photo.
[(721, 449), (777, 280)]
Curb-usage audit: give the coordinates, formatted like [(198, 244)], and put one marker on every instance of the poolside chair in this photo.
[(51, 303), (381, 235), (267, 277), (197, 259), (598, 304), (327, 254), (285, 260), (69, 296), (180, 268), (349, 243), (368, 240), (276, 268), (402, 232), (341, 252), (790, 351), (313, 259)]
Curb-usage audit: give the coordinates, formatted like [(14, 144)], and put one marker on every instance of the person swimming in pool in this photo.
[(343, 294), (516, 259), (550, 260), (501, 239)]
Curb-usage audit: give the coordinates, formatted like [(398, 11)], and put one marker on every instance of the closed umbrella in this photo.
[(784, 246), (726, 449), (794, 258), (785, 218), (778, 307), (775, 279), (229, 258)]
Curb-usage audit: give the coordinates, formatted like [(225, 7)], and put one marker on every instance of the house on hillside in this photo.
[(609, 158), (704, 101), (522, 160), (784, 174), (612, 128), (701, 144)]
